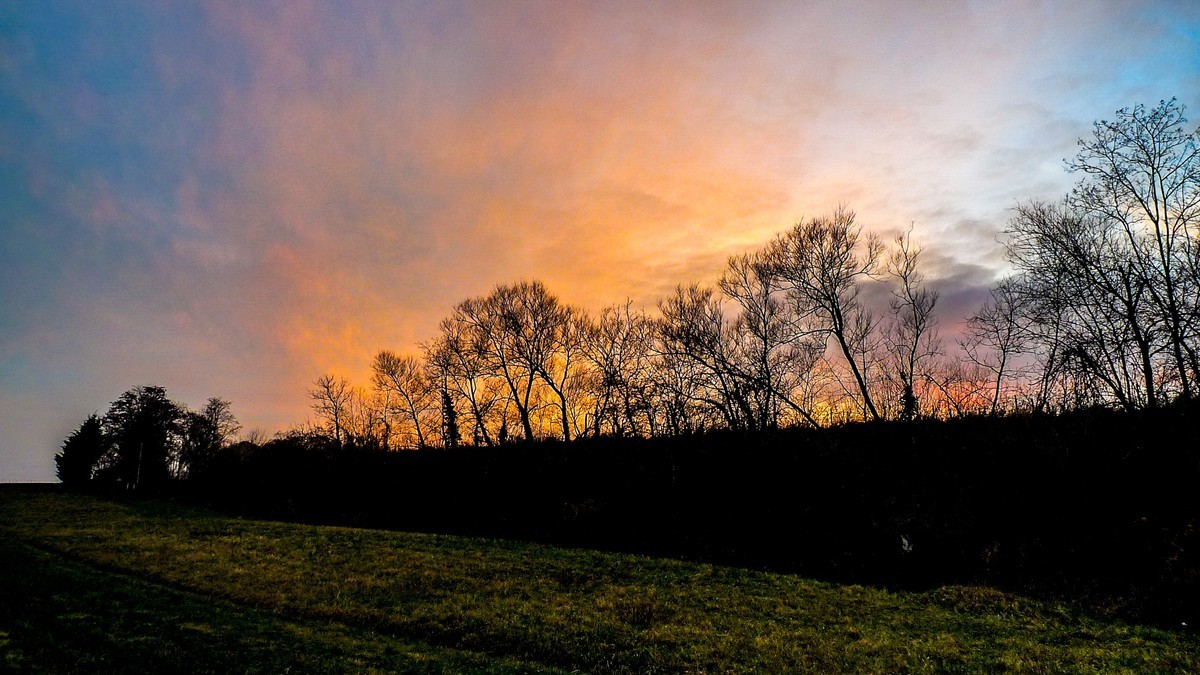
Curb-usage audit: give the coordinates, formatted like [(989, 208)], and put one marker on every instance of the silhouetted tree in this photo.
[(911, 336), (529, 328), (774, 349), (1107, 279), (696, 340), (515, 348), (205, 433), (1141, 178), (820, 263), (993, 338), (450, 434), (364, 426), (332, 400), (80, 452), (457, 358), (146, 428), (1080, 287), (618, 346), (495, 323), (408, 391), (565, 370)]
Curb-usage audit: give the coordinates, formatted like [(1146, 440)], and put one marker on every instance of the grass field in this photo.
[(89, 585)]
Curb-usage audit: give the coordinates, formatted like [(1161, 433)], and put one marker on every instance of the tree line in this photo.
[(751, 353), (145, 441), (1050, 448), (822, 325), (1101, 307)]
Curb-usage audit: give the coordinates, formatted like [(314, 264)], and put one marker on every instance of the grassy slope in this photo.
[(57, 615), (111, 585)]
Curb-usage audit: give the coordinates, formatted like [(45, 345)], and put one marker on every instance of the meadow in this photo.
[(91, 584)]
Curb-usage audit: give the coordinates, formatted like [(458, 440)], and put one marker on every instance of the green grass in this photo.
[(88, 584), (57, 615)]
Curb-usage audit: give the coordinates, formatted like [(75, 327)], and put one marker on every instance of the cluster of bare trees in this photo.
[(827, 324), (783, 338), (787, 338), (1105, 297)]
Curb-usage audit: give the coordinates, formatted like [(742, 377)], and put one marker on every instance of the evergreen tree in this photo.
[(450, 435), (146, 429), (80, 452)]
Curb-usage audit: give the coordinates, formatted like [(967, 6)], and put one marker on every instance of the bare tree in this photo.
[(695, 337), (511, 343), (961, 388), (365, 423), (911, 336), (777, 349), (457, 357), (820, 263), (994, 337), (407, 391), (1107, 279), (618, 345), (509, 351), (568, 372), (1141, 174), (205, 433), (681, 394), (331, 401), (1080, 286)]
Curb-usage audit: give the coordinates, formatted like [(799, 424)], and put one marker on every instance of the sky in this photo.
[(231, 199)]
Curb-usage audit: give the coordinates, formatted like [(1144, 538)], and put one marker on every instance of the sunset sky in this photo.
[(229, 199)]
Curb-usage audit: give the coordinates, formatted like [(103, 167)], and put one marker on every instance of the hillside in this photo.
[(95, 585)]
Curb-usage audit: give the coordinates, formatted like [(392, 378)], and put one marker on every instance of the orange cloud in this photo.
[(231, 198), (386, 167)]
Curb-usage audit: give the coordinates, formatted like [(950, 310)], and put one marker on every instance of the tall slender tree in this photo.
[(912, 334)]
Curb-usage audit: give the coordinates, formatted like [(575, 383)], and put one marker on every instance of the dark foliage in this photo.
[(80, 452), (144, 425), (1096, 505)]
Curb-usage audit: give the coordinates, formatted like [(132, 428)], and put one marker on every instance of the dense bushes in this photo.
[(1096, 505)]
